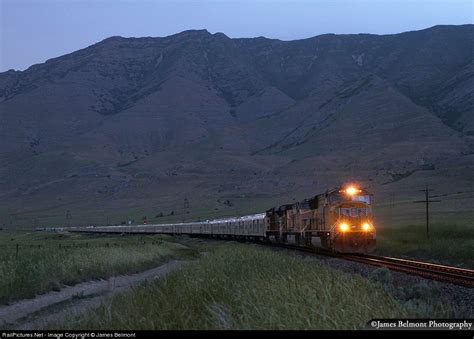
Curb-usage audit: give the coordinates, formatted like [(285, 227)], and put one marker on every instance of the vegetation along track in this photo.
[(454, 275), (451, 274)]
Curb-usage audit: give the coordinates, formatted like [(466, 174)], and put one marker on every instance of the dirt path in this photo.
[(52, 307)]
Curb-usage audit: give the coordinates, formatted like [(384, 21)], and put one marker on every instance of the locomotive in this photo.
[(340, 218)]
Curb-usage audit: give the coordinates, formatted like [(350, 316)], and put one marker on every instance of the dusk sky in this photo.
[(32, 31)]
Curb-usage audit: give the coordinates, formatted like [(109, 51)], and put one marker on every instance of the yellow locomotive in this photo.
[(341, 218)]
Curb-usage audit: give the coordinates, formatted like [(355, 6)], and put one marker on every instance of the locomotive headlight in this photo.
[(351, 190), (343, 227), (366, 226)]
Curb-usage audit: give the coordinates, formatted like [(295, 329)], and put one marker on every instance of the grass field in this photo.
[(448, 243), (248, 287), (236, 286), (36, 262)]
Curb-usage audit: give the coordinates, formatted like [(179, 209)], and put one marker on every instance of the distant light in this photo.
[(366, 226), (343, 227)]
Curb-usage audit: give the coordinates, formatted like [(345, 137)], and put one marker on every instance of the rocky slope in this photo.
[(137, 124)]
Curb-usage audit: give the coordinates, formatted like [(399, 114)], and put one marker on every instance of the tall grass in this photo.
[(45, 261), (245, 287), (422, 299), (448, 243)]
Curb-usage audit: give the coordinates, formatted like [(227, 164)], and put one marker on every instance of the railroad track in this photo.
[(454, 275)]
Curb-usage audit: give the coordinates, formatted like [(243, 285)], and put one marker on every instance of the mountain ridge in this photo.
[(125, 117)]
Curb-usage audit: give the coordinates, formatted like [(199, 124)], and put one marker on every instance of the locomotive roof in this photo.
[(313, 200)]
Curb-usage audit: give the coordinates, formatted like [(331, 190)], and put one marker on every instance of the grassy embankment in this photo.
[(448, 243), (45, 261), (247, 287)]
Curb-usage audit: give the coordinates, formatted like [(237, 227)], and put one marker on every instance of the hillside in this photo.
[(131, 126)]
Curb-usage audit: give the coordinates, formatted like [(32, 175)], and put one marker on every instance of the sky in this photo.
[(33, 31)]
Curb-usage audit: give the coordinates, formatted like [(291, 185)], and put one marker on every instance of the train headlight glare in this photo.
[(366, 226), (344, 227), (351, 190)]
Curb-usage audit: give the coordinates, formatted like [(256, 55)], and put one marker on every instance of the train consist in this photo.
[(340, 218)]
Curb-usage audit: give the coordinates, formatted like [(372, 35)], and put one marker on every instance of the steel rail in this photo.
[(426, 270), (455, 275)]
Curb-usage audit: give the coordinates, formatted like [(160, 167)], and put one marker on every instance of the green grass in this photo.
[(45, 261), (420, 300), (247, 287), (448, 243)]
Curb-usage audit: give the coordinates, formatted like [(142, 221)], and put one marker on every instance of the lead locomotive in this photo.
[(341, 218)]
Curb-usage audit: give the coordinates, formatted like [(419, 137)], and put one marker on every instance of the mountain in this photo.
[(129, 126)]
